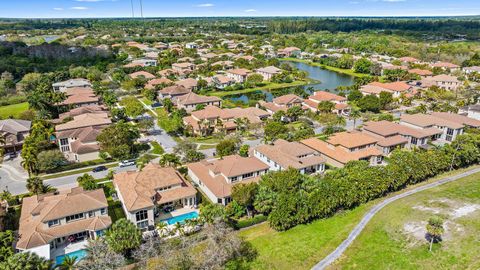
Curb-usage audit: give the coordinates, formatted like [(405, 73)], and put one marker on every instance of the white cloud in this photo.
[(205, 5), (250, 10), (58, 8), (79, 8)]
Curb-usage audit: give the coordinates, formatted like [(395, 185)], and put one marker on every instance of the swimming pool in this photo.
[(80, 254), (181, 218)]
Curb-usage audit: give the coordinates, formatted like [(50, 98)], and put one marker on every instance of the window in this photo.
[(233, 179), (54, 222), (103, 211), (141, 215), (64, 141), (247, 175), (65, 148), (91, 214), (75, 217), (449, 131), (414, 141), (142, 224)]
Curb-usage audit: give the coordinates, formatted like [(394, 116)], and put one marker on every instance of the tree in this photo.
[(25, 260), (226, 147), (209, 213), (123, 236), (244, 194), (50, 160), (363, 65), (132, 106), (150, 94), (385, 99), (243, 151), (118, 140), (7, 239), (435, 230), (354, 95), (36, 186), (170, 160), (325, 106), (100, 256), (369, 103), (68, 263), (168, 105), (255, 79), (275, 130), (145, 124), (294, 113), (355, 114), (87, 182)]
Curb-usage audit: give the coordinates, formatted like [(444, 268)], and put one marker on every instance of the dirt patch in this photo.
[(447, 207)]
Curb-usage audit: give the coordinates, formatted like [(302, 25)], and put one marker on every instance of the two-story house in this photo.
[(217, 177), (239, 75), (448, 130), (56, 224), (72, 83), (14, 131), (144, 194)]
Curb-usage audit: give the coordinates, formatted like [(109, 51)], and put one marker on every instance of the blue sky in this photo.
[(182, 8)]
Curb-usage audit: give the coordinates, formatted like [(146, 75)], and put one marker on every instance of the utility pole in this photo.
[(141, 9), (133, 12)]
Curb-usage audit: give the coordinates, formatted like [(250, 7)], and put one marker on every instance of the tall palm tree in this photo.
[(162, 228), (29, 162), (354, 114), (179, 228), (68, 263)]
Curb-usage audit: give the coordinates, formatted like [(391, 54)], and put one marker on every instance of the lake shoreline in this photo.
[(334, 69)]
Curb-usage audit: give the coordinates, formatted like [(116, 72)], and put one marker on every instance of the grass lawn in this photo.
[(13, 110), (208, 140), (339, 70), (146, 101), (269, 86), (386, 244), (115, 210), (206, 146), (305, 245), (157, 148), (50, 176)]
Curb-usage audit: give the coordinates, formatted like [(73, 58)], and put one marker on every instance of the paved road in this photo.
[(375, 209)]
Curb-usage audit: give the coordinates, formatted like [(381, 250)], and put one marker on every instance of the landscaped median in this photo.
[(305, 245), (77, 171)]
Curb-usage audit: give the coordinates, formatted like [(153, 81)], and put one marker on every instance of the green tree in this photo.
[(326, 106), (354, 95), (123, 236), (36, 186), (355, 114), (68, 263), (363, 65), (294, 113), (226, 147), (385, 99), (132, 106), (275, 130), (25, 260), (170, 160), (369, 103), (118, 140), (50, 160), (435, 230), (243, 151), (210, 213), (7, 239), (255, 79), (87, 182), (244, 194)]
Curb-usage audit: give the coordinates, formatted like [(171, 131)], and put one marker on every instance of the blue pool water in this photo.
[(181, 218), (80, 254)]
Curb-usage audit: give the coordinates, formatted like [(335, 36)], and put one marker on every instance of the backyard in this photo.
[(13, 110), (380, 247)]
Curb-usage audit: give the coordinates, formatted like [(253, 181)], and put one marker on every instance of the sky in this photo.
[(208, 8)]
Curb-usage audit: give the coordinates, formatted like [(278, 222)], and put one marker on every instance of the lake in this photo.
[(327, 80)]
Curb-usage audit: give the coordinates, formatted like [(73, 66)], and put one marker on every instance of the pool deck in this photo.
[(69, 249)]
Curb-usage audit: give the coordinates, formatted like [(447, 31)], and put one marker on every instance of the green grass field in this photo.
[(268, 87), (386, 242), (303, 246), (13, 110)]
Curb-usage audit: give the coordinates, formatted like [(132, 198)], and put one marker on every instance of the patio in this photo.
[(67, 248), (177, 212)]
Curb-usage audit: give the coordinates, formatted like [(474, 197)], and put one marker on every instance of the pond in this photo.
[(327, 80)]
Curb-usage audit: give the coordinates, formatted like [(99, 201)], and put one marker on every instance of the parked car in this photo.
[(156, 105), (127, 163), (99, 169), (12, 155)]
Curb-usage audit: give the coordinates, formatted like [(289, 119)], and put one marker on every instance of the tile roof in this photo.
[(38, 209), (175, 90), (239, 71), (85, 120), (385, 129), (138, 188), (453, 117), (192, 99), (351, 139), (287, 99), (270, 70), (427, 120), (15, 126), (144, 74), (188, 83)]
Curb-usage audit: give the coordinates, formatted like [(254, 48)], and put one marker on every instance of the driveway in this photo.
[(375, 209)]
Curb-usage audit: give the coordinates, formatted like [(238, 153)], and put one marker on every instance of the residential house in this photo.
[(420, 72), (14, 131), (449, 129), (66, 116), (446, 66), (56, 224), (149, 61), (341, 106), (189, 83), (77, 138), (239, 75), (289, 52), (173, 92), (447, 82), (190, 101), (221, 81), (184, 68), (144, 194), (191, 45), (162, 81), (214, 119), (72, 83), (268, 72), (217, 177), (470, 70), (457, 118), (409, 60), (472, 111), (281, 103), (395, 88), (223, 64), (282, 155), (343, 147), (79, 97), (142, 74)]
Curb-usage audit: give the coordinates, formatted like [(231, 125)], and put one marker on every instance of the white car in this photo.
[(127, 163)]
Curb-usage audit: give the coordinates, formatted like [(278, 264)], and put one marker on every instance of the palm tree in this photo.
[(354, 114), (435, 230), (29, 162), (68, 263), (162, 228), (35, 185), (179, 228)]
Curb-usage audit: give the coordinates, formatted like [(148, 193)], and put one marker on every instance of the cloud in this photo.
[(250, 10), (58, 8), (79, 8), (205, 5)]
